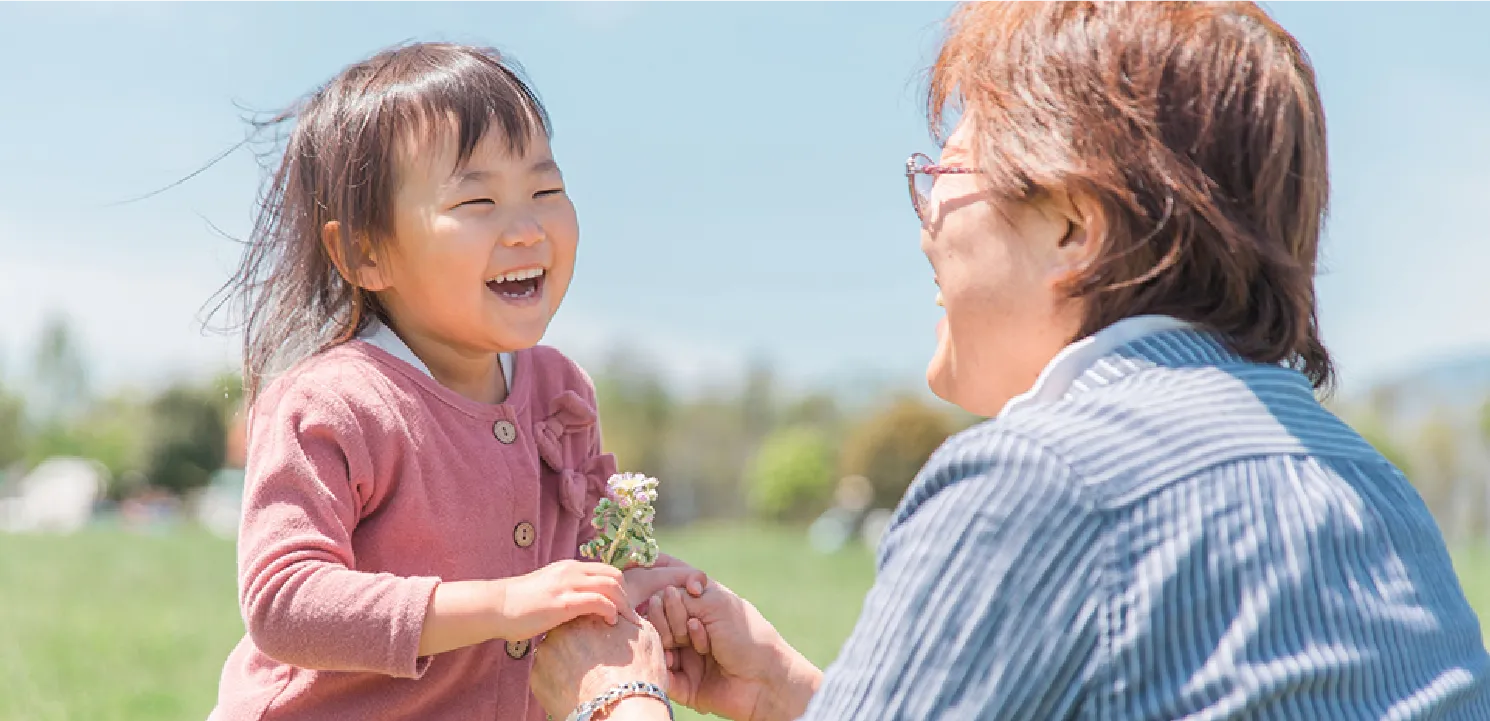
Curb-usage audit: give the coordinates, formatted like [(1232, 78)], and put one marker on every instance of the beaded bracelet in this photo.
[(588, 709)]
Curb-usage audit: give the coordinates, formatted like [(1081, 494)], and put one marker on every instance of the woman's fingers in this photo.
[(698, 636)]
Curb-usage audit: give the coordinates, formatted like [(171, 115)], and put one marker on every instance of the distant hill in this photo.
[(1461, 384)]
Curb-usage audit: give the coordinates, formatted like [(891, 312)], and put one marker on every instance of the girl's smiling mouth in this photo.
[(523, 286)]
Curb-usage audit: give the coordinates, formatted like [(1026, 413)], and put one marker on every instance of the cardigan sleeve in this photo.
[(303, 600), (986, 603)]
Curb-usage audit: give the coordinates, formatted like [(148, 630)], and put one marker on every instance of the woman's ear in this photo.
[(1082, 234), (354, 258)]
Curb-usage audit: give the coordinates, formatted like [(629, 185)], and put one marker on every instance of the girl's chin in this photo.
[(521, 340), (519, 330)]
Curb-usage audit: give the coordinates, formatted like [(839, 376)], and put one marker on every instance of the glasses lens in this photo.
[(920, 182), (923, 183)]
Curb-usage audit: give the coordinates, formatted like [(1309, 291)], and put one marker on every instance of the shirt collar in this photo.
[(1075, 359), (382, 337)]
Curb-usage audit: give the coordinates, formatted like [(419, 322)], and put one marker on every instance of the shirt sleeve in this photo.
[(309, 478), (987, 602)]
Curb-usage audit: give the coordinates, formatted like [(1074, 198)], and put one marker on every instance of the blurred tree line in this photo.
[(172, 440), (751, 447), (756, 448)]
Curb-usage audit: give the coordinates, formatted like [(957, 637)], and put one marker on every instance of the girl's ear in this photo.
[(354, 258)]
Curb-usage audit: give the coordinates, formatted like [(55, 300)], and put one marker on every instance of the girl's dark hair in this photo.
[(341, 164), (1198, 130)]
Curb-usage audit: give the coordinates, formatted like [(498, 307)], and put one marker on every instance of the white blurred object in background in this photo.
[(58, 496), (835, 528), (873, 527), (220, 505)]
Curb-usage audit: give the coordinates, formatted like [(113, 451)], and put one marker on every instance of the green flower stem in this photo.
[(610, 553)]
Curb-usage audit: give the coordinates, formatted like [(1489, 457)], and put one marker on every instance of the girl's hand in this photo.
[(535, 603), (642, 583)]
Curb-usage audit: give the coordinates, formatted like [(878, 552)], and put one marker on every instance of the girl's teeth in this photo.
[(516, 275)]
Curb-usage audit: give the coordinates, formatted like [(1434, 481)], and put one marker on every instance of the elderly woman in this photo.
[(1160, 520)]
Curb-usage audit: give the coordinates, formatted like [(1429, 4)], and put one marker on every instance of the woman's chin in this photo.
[(939, 378), (973, 397)]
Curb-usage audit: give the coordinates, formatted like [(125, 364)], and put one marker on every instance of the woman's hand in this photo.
[(728, 660), (584, 658), (562, 591)]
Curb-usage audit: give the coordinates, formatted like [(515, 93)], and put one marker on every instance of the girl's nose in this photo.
[(523, 233)]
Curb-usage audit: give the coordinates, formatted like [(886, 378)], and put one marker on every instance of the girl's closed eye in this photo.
[(545, 193)]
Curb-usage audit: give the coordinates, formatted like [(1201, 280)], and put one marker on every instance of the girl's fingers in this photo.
[(699, 636), (604, 570), (596, 604), (612, 589), (629, 613), (677, 616), (617, 594), (643, 582)]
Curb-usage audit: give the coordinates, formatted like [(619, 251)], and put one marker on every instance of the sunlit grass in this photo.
[(107, 626), (110, 626)]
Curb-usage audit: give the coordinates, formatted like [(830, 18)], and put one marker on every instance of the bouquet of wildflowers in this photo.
[(623, 522)]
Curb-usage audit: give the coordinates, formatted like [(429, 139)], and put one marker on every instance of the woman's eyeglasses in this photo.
[(920, 175)]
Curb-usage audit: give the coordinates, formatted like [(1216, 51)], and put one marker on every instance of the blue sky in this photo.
[(737, 170)]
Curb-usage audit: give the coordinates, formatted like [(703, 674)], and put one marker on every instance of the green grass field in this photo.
[(108, 626)]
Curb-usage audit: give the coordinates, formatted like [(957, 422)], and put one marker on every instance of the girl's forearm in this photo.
[(460, 614)]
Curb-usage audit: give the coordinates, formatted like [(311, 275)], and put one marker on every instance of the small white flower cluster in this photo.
[(623, 522)]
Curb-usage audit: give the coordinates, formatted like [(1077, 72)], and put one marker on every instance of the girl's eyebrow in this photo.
[(476, 176)]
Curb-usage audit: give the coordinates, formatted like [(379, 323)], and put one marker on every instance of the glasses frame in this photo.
[(920, 164)]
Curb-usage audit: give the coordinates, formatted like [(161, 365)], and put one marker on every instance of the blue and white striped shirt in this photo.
[(1170, 531)]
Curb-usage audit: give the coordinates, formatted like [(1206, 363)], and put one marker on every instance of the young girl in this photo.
[(420, 472)]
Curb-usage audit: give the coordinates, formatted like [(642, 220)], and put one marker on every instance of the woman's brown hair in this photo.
[(1197, 131), (341, 164)]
